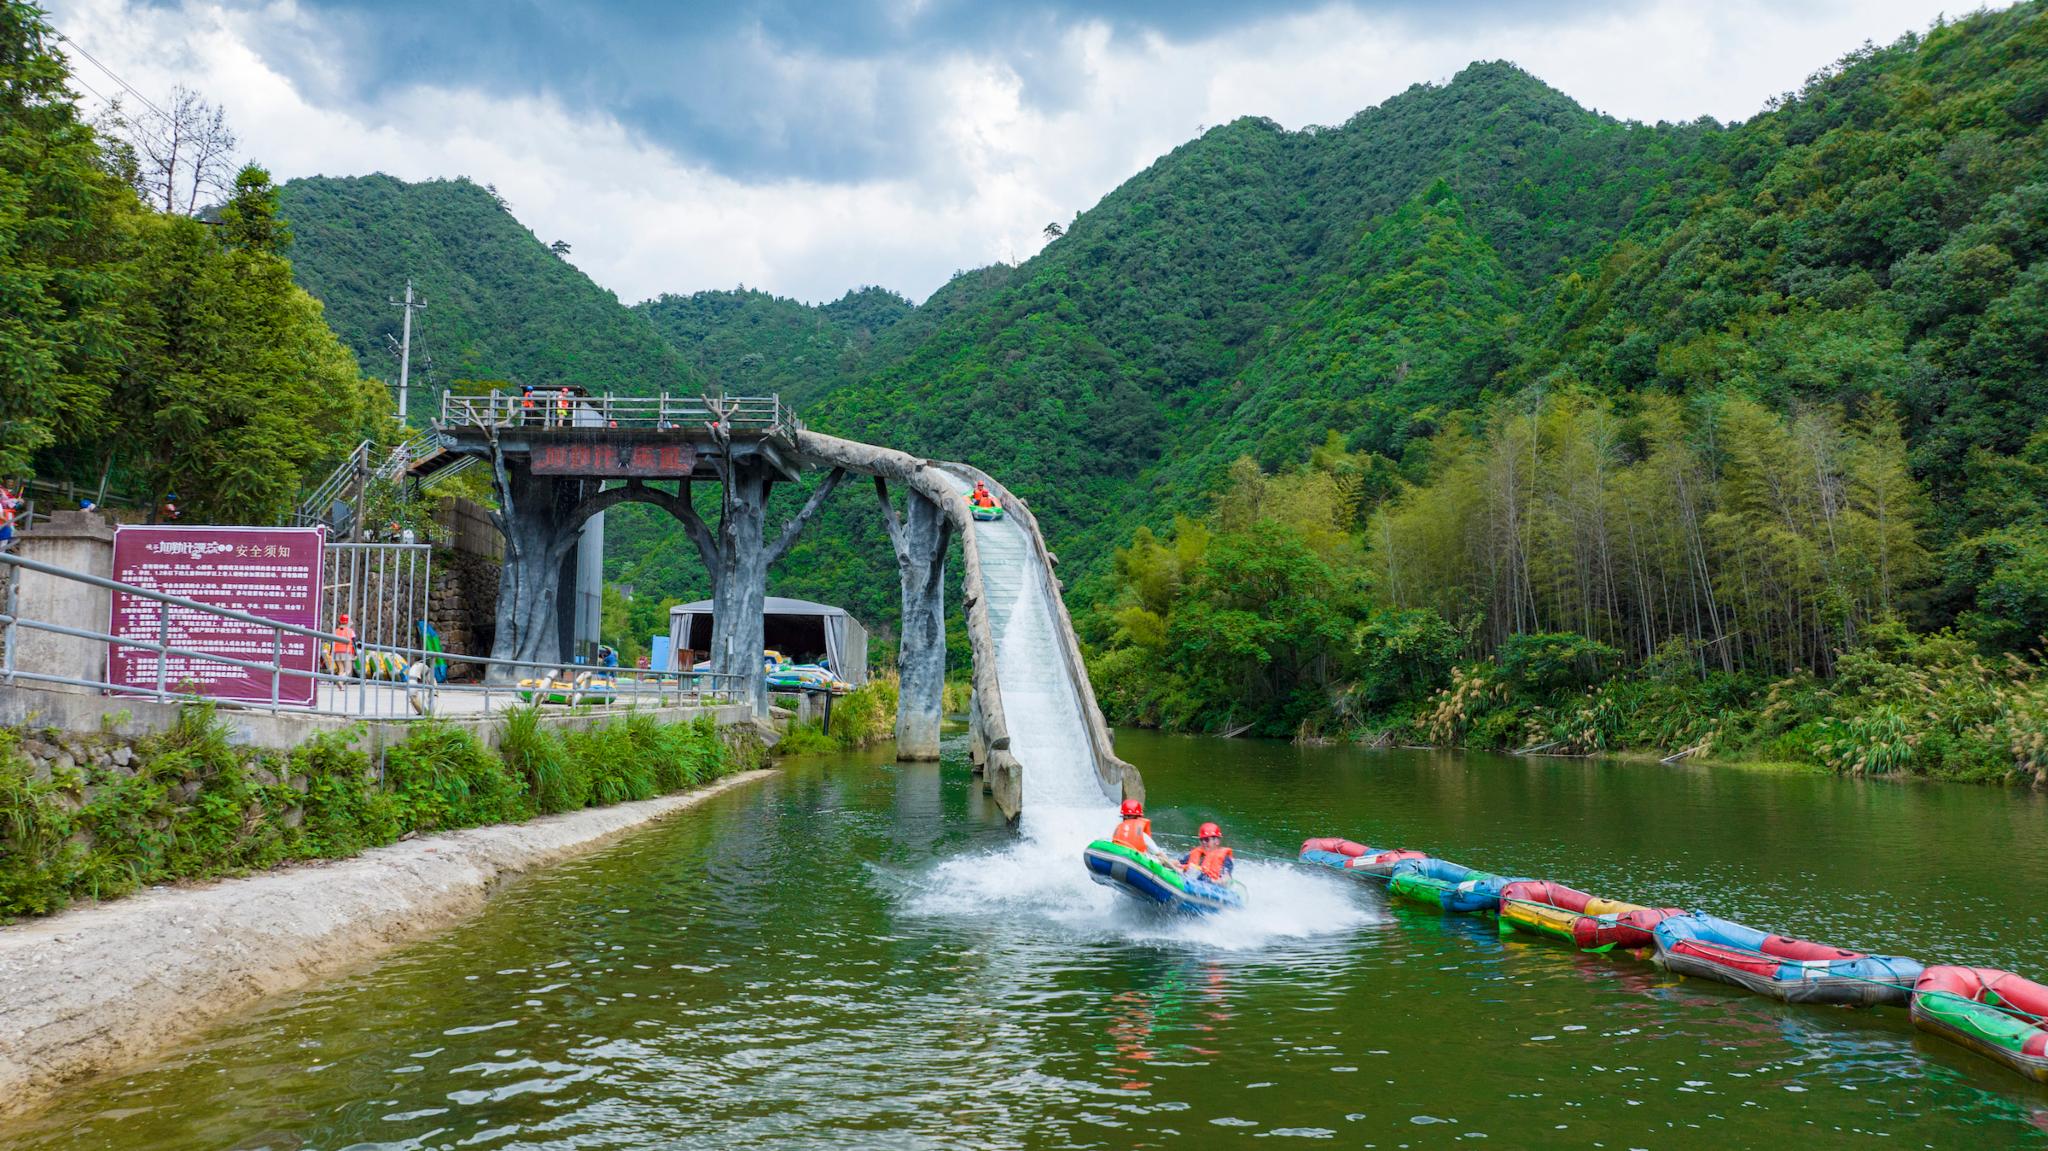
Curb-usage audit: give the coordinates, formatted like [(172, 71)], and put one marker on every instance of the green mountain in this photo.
[(1175, 314), (500, 305)]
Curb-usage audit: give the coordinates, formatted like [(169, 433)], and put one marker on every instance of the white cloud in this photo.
[(988, 168)]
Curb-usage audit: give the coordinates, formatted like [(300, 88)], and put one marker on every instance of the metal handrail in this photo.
[(764, 415), (635, 682), (313, 509)]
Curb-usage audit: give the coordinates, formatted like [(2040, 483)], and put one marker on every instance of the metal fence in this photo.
[(383, 588), (759, 415), (366, 681)]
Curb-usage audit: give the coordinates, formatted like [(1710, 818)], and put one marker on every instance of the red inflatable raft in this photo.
[(1593, 923), (1357, 858), (1991, 1012)]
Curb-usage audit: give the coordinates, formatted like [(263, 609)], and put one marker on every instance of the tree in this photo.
[(184, 152), (64, 226), (249, 220), (560, 248), (1053, 231)]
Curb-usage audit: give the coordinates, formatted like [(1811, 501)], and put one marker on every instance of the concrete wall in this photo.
[(83, 542)]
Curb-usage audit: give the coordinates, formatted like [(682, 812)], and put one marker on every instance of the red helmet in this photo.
[(1207, 830), (1132, 809)]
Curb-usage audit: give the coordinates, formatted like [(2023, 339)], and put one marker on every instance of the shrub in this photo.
[(444, 778), (1404, 655), (555, 780), (867, 714), (805, 739), (608, 757), (1545, 664)]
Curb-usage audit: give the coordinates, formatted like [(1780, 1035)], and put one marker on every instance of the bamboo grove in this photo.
[(1759, 540)]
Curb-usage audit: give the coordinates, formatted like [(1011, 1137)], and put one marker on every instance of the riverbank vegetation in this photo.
[(99, 822), (862, 717), (1698, 577)]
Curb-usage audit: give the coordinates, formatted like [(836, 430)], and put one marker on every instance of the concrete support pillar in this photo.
[(920, 538), (739, 578), (82, 542), (540, 518)]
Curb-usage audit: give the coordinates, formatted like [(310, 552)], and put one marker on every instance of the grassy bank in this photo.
[(1899, 704), (187, 805), (860, 718)]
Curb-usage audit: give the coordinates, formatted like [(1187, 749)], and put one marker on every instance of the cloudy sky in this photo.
[(809, 146)]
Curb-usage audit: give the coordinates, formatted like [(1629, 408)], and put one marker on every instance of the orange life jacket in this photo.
[(1212, 860), (1132, 833)]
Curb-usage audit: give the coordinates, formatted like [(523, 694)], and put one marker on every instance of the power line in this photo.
[(132, 89)]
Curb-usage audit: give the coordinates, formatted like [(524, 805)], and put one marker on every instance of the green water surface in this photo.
[(857, 953)]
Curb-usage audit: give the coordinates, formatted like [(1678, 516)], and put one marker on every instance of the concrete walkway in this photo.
[(103, 989)]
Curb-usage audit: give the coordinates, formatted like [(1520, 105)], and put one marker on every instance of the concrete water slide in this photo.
[(1034, 717)]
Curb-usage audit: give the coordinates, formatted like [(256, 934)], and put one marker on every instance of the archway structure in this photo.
[(557, 464)]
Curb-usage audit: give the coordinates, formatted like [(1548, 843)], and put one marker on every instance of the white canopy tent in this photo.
[(803, 631)]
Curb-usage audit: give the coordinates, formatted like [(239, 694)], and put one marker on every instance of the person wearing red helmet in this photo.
[(1134, 831), (1209, 857)]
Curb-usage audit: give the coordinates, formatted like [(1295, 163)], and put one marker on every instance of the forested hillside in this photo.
[(501, 306), (752, 343)]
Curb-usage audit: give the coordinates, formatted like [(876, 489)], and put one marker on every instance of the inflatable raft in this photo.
[(1355, 858), (1449, 885), (1994, 1013), (1595, 924), (1156, 882), (985, 513), (1793, 970)]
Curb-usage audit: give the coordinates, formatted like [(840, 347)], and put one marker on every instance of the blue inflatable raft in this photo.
[(1152, 881)]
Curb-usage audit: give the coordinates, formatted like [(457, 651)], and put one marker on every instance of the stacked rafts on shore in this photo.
[(1994, 1013)]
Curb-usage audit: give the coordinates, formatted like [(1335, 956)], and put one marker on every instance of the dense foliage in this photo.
[(500, 305), (146, 347), (189, 805)]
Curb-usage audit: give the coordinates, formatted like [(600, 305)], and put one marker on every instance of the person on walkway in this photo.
[(341, 654), (9, 505), (1209, 858), (1134, 831)]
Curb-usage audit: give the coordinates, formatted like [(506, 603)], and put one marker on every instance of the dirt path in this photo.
[(105, 988)]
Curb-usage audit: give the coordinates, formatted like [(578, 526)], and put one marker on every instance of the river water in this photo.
[(859, 954)]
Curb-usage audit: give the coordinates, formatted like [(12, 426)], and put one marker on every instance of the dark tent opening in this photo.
[(804, 632)]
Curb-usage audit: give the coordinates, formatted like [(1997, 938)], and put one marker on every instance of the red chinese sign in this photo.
[(607, 459), (273, 573)]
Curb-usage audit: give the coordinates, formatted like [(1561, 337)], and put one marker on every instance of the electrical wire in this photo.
[(115, 76)]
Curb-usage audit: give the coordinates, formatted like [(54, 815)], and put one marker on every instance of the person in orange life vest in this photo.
[(343, 650), (1210, 857), (1134, 831), (982, 498), (8, 503)]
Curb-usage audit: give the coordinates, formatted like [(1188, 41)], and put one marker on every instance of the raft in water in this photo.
[(1157, 882), (1995, 1013), (1794, 970), (1595, 924), (1355, 858), (1450, 886)]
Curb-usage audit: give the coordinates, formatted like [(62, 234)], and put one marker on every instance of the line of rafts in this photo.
[(1995, 1013)]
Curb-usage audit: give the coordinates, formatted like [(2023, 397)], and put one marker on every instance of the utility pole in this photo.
[(405, 346)]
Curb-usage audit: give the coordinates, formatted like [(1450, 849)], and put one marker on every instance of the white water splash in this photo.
[(1039, 879)]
